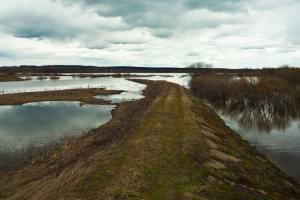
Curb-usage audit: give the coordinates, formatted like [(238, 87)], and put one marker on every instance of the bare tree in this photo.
[(200, 65)]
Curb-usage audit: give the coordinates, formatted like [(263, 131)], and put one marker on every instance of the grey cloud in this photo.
[(160, 14), (193, 54), (156, 32), (4, 54), (37, 27), (162, 33), (216, 5), (255, 47), (125, 41), (57, 21), (96, 46), (125, 7)]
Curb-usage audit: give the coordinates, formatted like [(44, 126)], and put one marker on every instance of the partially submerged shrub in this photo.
[(268, 100), (54, 77), (41, 77)]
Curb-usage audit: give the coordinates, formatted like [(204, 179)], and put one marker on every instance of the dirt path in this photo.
[(167, 146)]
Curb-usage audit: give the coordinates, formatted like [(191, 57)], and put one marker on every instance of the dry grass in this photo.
[(9, 77), (55, 171), (274, 99), (168, 157)]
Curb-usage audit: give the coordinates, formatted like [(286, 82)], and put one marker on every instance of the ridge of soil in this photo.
[(82, 95)]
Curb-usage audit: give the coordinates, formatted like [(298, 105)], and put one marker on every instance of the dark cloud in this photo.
[(75, 18), (47, 19), (157, 13), (132, 7), (37, 27)]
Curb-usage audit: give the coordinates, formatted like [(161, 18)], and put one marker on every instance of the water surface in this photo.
[(279, 143), (124, 96), (182, 79), (108, 83), (37, 124), (34, 125)]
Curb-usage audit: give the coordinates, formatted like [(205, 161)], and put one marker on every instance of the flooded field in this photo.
[(37, 124), (262, 107), (70, 83), (34, 125), (278, 141)]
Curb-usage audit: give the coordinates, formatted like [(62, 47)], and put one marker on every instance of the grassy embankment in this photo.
[(178, 149), (183, 150), (82, 95)]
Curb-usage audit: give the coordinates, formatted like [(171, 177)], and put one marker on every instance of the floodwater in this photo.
[(34, 125), (279, 142), (124, 96), (70, 83), (179, 78)]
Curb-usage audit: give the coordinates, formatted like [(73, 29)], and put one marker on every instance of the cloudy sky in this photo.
[(226, 33)]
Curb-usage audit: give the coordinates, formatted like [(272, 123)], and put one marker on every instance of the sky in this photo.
[(164, 33)]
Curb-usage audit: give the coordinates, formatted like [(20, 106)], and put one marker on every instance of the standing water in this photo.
[(36, 124), (279, 142)]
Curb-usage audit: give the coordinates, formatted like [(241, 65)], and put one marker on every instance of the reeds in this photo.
[(273, 96)]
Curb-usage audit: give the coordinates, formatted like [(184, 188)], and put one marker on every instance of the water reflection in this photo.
[(260, 121), (110, 83), (178, 78), (70, 83), (124, 96), (30, 126), (281, 144), (36, 124)]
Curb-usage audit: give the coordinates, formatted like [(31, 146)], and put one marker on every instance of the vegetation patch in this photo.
[(82, 95), (268, 98)]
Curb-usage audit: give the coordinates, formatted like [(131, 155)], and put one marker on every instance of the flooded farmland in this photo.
[(44, 122), (33, 125), (279, 141)]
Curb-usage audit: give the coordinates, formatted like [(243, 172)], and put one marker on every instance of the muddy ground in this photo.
[(82, 95), (9, 77)]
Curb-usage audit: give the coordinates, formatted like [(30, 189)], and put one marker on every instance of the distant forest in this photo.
[(122, 69)]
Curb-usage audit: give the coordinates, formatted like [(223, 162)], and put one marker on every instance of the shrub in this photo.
[(267, 101)]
